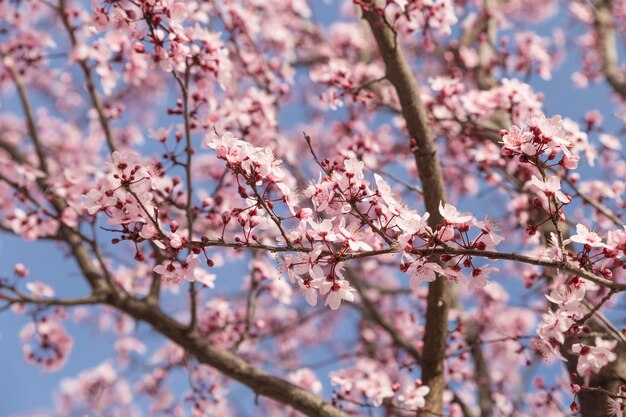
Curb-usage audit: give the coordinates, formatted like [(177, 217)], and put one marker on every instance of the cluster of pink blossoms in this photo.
[(542, 137), (46, 342), (568, 319), (425, 15), (548, 146), (366, 379), (125, 195)]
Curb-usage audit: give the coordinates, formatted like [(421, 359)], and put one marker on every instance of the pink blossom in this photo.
[(337, 291), (551, 187), (352, 238), (306, 379), (39, 289), (413, 397), (593, 358), (519, 140), (20, 270), (310, 292), (422, 271), (98, 200), (586, 237), (324, 230), (452, 216), (161, 134), (480, 277), (46, 343)]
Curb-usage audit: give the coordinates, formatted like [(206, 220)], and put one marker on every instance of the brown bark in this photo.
[(261, 382), (604, 26), (424, 150)]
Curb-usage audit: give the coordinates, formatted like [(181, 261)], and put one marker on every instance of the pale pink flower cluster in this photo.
[(533, 54), (100, 388), (212, 401), (591, 359), (176, 39), (343, 79), (366, 379), (218, 322), (453, 233), (549, 187), (558, 322), (339, 192), (306, 378), (541, 137), (174, 272), (413, 396), (125, 195), (435, 15), (453, 100), (307, 271), (586, 237), (252, 162), (46, 343), (31, 225)]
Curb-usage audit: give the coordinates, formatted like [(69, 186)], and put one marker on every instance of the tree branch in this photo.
[(424, 151), (605, 28)]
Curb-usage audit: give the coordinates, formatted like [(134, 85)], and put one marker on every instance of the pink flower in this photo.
[(413, 397), (39, 289), (98, 200), (176, 241), (593, 358), (190, 266), (20, 270), (453, 216), (161, 134), (289, 197), (550, 351), (480, 277), (46, 343), (568, 297), (570, 162), (586, 237), (519, 140), (169, 270), (149, 232), (422, 271), (310, 292), (324, 230), (337, 291), (306, 379), (551, 187), (553, 327), (352, 239), (616, 407), (490, 238), (204, 277), (387, 194), (552, 130), (222, 144)]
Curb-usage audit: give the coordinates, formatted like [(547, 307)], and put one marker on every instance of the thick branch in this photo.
[(261, 382), (605, 28), (424, 150)]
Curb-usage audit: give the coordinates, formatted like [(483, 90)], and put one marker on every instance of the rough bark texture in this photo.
[(424, 150)]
